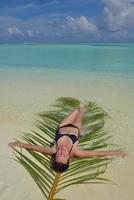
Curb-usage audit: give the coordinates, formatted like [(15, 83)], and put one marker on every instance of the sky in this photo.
[(27, 21)]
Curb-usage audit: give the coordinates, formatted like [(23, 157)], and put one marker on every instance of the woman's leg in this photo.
[(70, 118), (78, 121)]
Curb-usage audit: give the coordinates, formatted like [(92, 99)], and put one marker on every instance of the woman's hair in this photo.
[(58, 167)]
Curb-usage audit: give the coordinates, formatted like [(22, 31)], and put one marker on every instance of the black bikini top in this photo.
[(73, 137)]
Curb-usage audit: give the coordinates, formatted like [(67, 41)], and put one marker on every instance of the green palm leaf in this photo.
[(81, 170)]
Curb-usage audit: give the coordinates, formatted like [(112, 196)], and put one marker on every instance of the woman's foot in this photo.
[(81, 108)]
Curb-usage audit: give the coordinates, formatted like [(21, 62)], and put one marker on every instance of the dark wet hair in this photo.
[(57, 166)]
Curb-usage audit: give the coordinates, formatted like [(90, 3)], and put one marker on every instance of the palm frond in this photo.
[(81, 171)]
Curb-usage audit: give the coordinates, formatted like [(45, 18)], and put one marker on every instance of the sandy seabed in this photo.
[(24, 93)]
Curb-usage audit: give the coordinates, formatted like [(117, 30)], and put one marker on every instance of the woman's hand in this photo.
[(84, 153), (41, 149), (14, 144), (120, 153)]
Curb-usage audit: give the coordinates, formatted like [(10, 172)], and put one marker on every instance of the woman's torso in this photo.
[(66, 140)]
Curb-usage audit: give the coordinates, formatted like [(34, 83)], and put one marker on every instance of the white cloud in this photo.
[(81, 24), (114, 22), (15, 31), (118, 14), (30, 33)]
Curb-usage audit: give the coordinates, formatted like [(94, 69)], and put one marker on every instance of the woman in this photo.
[(66, 143)]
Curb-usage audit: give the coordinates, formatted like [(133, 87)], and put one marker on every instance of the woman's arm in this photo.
[(41, 149), (83, 154)]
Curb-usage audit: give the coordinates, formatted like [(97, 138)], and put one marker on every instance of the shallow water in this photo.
[(97, 57)]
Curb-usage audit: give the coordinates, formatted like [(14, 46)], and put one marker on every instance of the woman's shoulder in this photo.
[(75, 149), (53, 148)]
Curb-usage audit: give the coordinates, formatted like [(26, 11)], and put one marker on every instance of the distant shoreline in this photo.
[(67, 43)]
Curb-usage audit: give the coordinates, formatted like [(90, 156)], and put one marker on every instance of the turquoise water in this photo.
[(87, 57)]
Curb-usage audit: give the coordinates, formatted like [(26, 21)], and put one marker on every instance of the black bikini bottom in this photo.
[(67, 125)]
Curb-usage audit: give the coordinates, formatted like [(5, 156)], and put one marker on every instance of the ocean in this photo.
[(96, 57)]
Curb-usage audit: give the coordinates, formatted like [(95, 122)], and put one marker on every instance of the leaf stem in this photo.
[(55, 183)]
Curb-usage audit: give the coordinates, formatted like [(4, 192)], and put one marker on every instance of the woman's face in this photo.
[(62, 154)]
